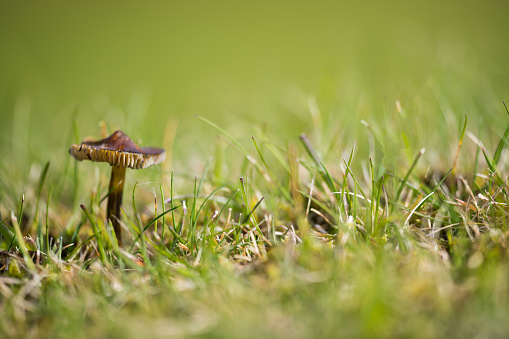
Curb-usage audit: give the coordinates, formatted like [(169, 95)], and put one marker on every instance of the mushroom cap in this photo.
[(118, 150)]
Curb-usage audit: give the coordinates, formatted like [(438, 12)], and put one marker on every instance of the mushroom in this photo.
[(120, 152)]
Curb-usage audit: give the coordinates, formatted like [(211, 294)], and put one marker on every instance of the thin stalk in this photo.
[(21, 242), (47, 218), (97, 234), (115, 199), (164, 218)]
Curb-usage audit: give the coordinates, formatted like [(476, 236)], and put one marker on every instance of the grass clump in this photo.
[(298, 245)]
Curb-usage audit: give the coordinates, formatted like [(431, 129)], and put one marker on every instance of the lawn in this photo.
[(332, 170)]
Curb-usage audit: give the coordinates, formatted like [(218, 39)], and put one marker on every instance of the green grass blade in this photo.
[(427, 197), (246, 218), (22, 244), (503, 142), (164, 216), (152, 222), (460, 143), (41, 180), (225, 133), (355, 179), (6, 233), (410, 170), (489, 161), (209, 196), (97, 234), (319, 164)]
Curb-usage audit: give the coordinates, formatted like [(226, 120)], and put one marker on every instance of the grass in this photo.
[(298, 246)]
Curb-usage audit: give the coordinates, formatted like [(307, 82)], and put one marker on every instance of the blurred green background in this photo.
[(149, 67)]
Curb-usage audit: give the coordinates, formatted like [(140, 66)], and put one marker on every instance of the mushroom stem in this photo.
[(115, 199)]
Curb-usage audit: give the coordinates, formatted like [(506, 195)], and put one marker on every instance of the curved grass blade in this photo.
[(23, 248), (152, 222), (246, 218), (95, 229), (503, 142), (460, 143), (410, 170), (426, 197), (237, 145)]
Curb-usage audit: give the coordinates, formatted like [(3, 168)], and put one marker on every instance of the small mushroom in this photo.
[(120, 152)]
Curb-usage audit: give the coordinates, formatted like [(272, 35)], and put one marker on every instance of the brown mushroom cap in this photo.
[(118, 150)]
